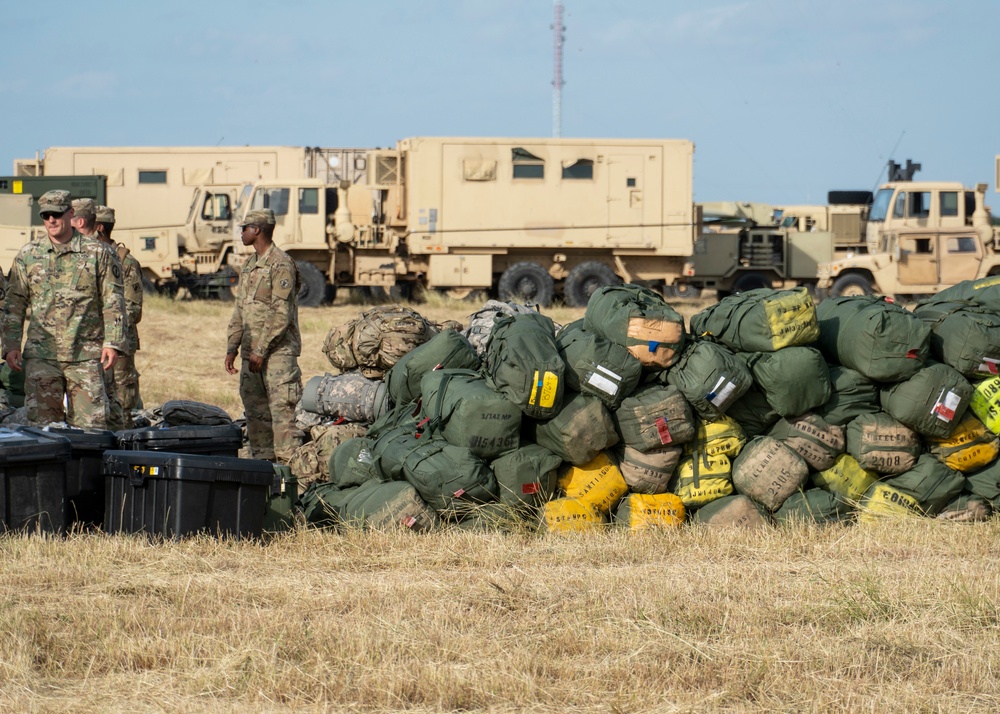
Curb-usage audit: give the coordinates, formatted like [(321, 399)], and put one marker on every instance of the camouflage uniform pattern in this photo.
[(124, 375), (74, 292), (265, 323)]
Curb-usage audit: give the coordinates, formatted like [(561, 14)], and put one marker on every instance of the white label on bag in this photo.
[(721, 391), (603, 384), (945, 410)]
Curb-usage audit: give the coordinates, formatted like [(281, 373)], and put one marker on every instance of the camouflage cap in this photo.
[(105, 214), (84, 207), (57, 201), (259, 217)]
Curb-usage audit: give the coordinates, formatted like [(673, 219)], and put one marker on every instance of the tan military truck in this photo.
[(526, 218), (745, 246), (15, 226), (923, 236), (175, 205)]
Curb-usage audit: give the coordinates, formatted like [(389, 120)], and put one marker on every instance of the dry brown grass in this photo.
[(892, 616)]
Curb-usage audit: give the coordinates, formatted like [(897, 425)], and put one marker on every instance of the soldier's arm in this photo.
[(133, 290), (281, 314), (109, 281), (15, 308), (234, 333)]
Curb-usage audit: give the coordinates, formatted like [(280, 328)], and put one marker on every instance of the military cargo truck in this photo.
[(745, 246), (15, 226), (923, 236), (175, 205), (526, 218)]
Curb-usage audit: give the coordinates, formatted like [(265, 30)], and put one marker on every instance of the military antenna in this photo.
[(557, 78)]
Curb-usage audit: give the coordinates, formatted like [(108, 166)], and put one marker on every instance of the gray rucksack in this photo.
[(349, 396)]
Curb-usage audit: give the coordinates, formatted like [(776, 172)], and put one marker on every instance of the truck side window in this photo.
[(579, 169), (970, 207), (526, 164), (152, 176), (962, 244), (309, 200), (922, 245), (899, 210), (949, 203), (216, 207), (274, 198), (920, 204)]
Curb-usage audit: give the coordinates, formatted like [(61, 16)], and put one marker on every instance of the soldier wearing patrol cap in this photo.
[(85, 216), (72, 285), (265, 326), (123, 378)]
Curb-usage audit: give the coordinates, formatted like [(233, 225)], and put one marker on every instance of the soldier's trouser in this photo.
[(269, 400), (123, 391), (45, 383)]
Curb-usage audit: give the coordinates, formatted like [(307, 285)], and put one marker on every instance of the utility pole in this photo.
[(557, 79)]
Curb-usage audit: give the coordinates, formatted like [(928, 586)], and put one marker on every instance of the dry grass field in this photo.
[(900, 615)]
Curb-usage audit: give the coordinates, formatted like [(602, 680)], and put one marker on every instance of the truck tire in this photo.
[(851, 285), (751, 281), (526, 282), (585, 279), (313, 288), (681, 291)]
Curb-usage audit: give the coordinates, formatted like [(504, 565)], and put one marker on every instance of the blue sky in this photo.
[(784, 99)]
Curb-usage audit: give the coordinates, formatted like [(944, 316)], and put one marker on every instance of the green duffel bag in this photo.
[(931, 483), (638, 319), (967, 508), (442, 473), (710, 377), (648, 472), (654, 415), (322, 504), (446, 350), (882, 444), (596, 366), (460, 407), (353, 463), (753, 412), (812, 505), (403, 414), (794, 380), (762, 320), (984, 292), (735, 511), (851, 395), (583, 429), (874, 336), (931, 402), (768, 471), (986, 483), (522, 362), (964, 335), (811, 437), (281, 499), (526, 477), (382, 505)]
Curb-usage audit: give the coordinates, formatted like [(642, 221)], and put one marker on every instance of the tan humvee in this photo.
[(922, 237), (528, 218)]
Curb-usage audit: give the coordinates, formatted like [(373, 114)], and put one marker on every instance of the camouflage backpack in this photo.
[(377, 339), (481, 322), (349, 396)]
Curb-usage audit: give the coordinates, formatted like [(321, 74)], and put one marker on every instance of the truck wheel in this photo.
[(751, 281), (585, 279), (681, 291), (528, 282), (851, 285), (313, 288)]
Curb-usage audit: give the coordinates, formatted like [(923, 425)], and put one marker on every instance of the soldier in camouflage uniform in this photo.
[(265, 325), (123, 377), (85, 216), (72, 286)]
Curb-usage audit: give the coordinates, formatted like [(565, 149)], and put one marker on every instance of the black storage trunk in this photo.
[(84, 471), (174, 495), (33, 481), (224, 440)]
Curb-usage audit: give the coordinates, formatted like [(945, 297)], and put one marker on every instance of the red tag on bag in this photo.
[(663, 430)]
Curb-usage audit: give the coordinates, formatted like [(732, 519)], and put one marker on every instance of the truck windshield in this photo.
[(880, 205), (244, 195)]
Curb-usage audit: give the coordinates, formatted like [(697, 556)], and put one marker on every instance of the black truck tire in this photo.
[(851, 285), (585, 279), (751, 281), (312, 291), (526, 282)]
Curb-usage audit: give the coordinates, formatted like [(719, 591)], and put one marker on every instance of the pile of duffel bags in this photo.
[(767, 409)]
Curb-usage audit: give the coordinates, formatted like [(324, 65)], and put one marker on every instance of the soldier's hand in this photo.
[(13, 358), (109, 356), (231, 362), (256, 364)]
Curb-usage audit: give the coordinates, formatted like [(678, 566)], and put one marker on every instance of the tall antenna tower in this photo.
[(557, 77)]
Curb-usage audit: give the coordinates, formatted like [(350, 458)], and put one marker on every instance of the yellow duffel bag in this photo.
[(642, 511), (985, 403), (598, 483), (970, 447)]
